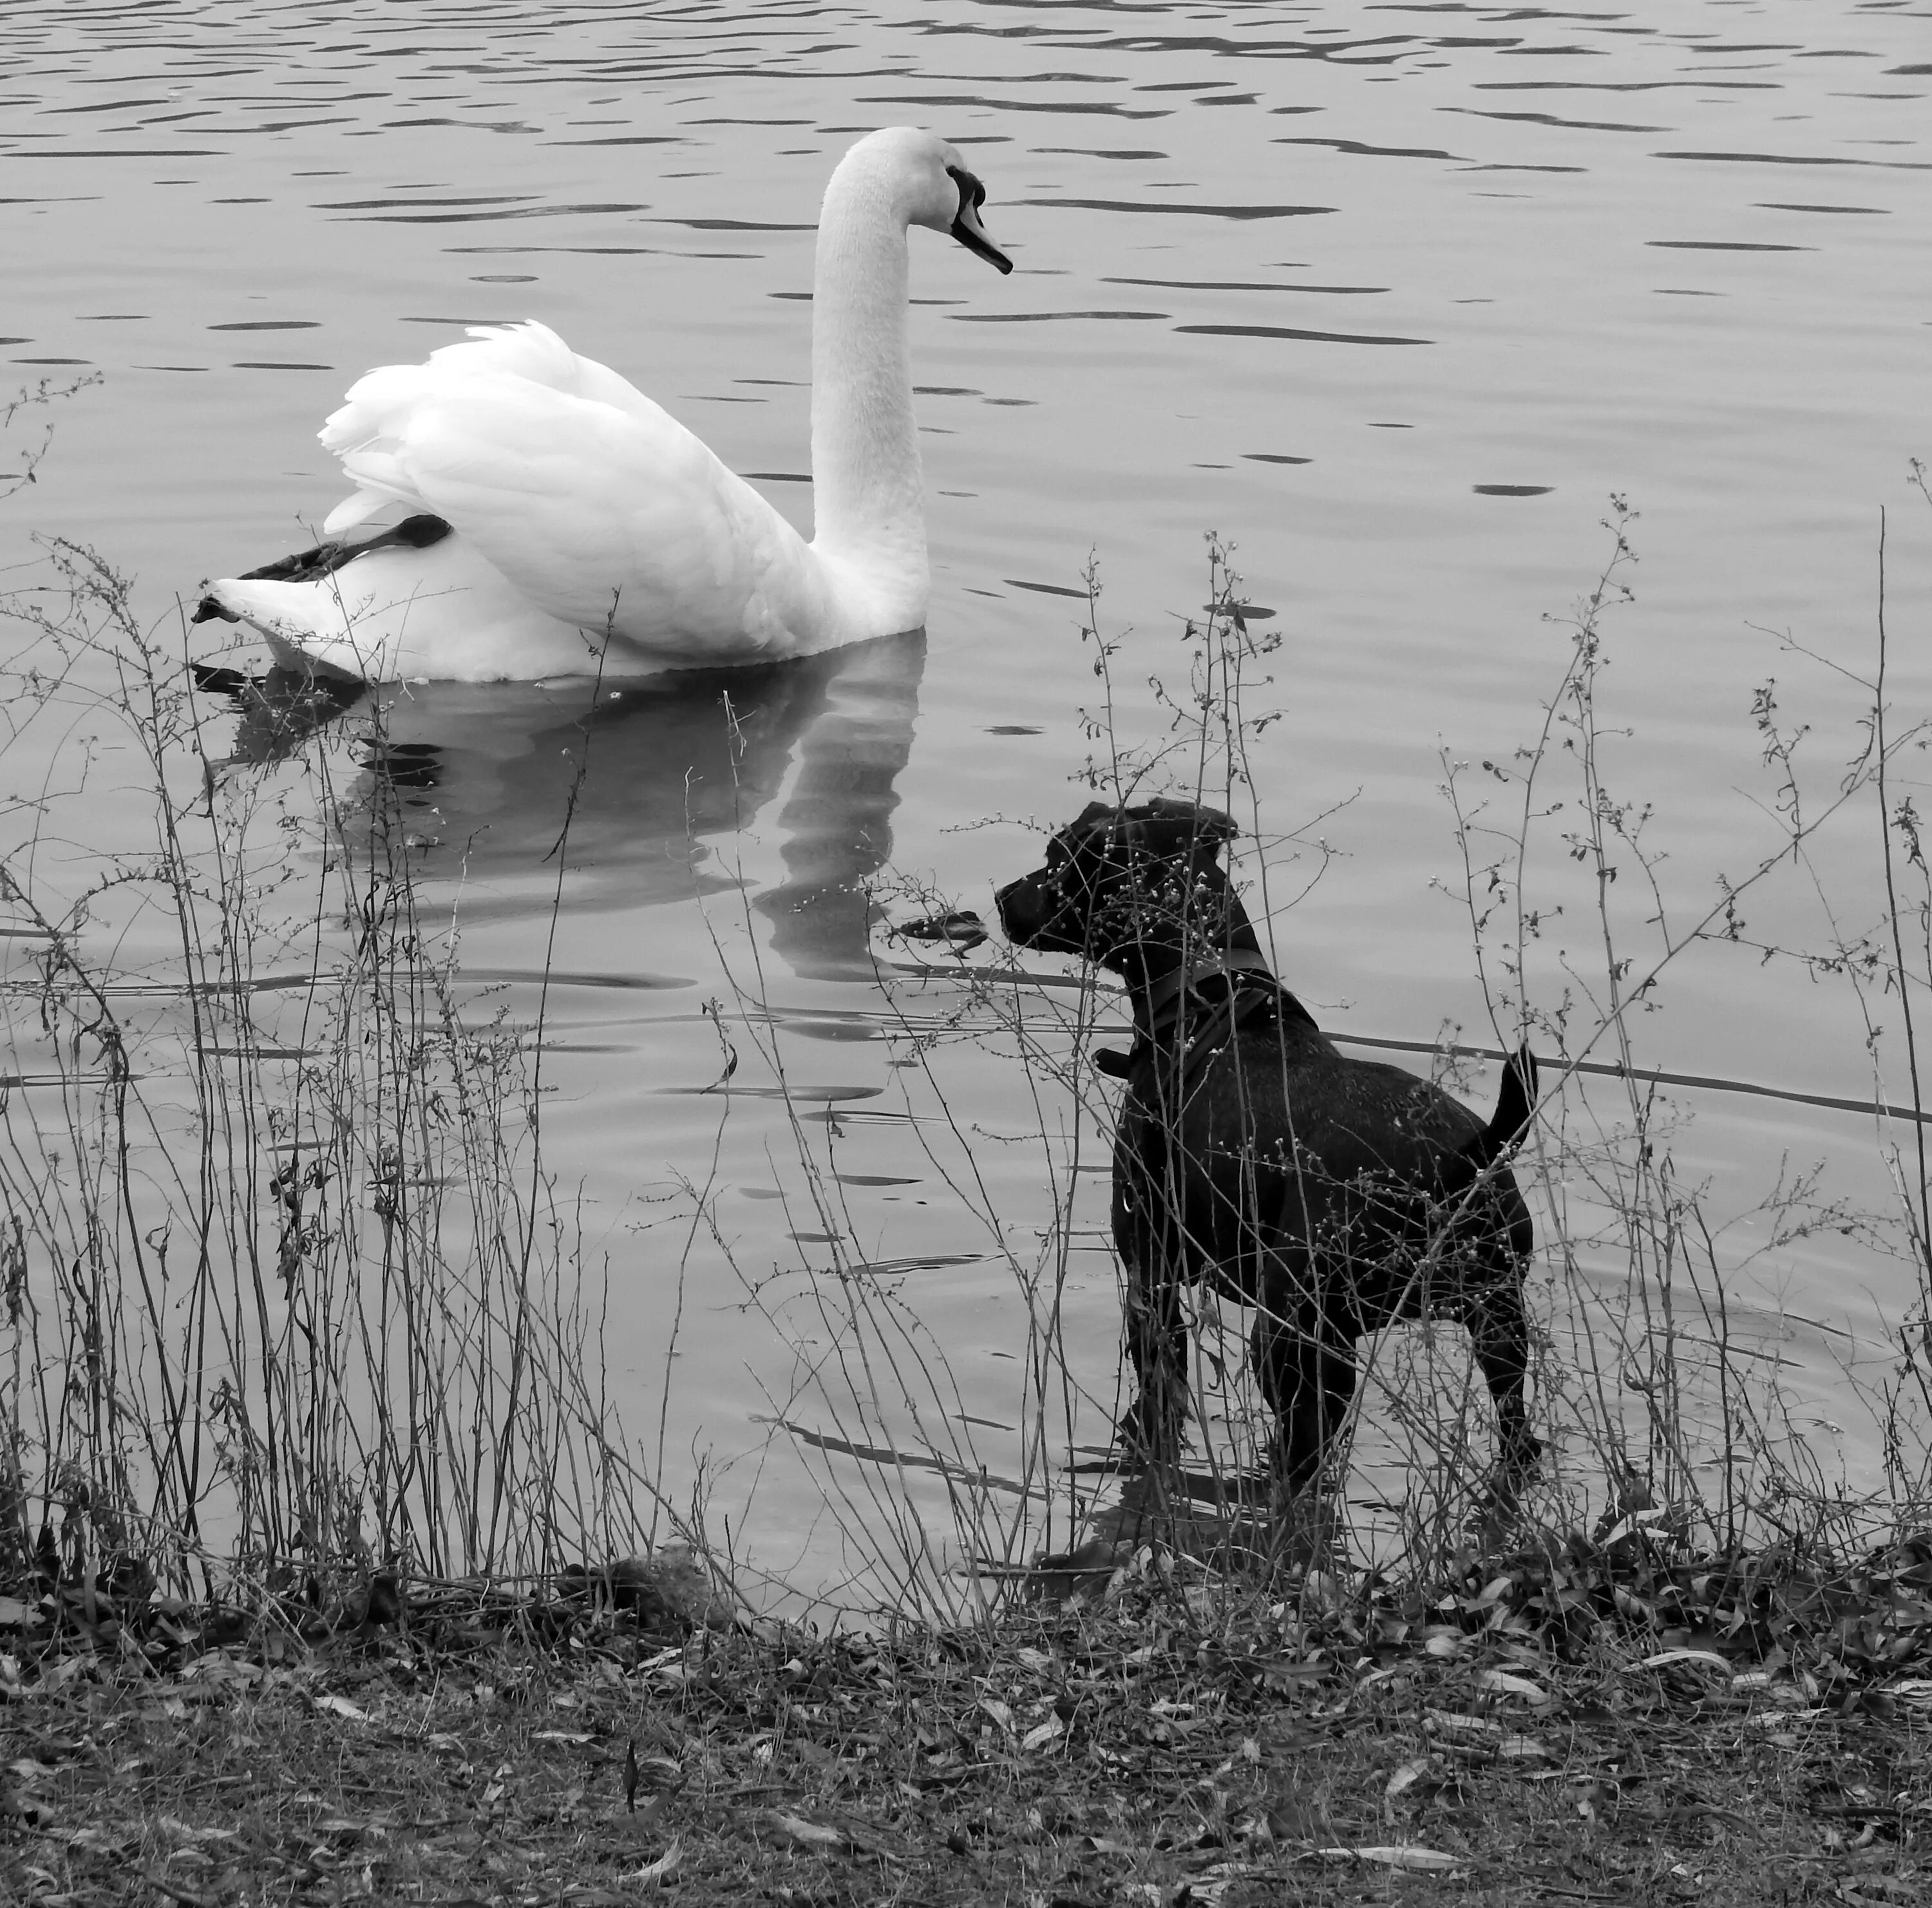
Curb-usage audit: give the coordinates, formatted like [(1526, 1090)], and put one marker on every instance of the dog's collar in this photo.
[(1166, 1006), (1166, 1000)]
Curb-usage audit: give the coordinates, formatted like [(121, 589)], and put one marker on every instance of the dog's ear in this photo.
[(1093, 812), (1212, 826), (1193, 822)]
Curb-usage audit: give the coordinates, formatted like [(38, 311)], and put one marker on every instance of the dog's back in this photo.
[(1290, 1170)]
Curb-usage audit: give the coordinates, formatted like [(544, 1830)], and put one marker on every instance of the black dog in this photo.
[(1334, 1195)]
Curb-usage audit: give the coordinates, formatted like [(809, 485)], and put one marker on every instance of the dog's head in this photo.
[(1115, 878)]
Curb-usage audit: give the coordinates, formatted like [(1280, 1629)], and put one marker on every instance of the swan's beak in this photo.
[(967, 228)]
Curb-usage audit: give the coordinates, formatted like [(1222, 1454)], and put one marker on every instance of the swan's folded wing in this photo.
[(603, 517), (375, 417), (530, 352)]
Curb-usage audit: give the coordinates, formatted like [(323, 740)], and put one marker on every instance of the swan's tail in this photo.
[(413, 601), (418, 532)]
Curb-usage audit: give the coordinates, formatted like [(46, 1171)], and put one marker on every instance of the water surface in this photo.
[(1394, 298)]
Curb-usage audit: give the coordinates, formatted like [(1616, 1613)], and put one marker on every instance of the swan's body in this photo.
[(562, 523)]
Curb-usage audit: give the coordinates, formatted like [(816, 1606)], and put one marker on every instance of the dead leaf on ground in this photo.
[(1500, 1682), (1455, 1723), (1710, 1659), (1405, 1776), (661, 1870), (340, 1705), (839, 1836), (1424, 1861), (1520, 1748)]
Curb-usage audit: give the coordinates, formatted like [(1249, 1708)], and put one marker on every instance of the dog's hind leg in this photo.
[(1501, 1333)]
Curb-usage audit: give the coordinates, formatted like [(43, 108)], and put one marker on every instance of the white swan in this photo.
[(558, 515)]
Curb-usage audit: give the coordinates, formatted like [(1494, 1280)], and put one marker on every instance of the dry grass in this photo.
[(1167, 1746)]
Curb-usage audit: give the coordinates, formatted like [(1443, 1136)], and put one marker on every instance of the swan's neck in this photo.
[(869, 507)]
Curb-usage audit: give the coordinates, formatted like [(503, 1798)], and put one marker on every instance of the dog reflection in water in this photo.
[(1333, 1195)]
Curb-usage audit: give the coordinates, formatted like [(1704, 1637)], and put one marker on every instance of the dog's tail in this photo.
[(1515, 1105)]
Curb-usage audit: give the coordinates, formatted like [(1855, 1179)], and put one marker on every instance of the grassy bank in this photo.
[(1586, 1727)]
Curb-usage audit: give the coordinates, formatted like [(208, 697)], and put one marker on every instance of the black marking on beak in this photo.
[(967, 228)]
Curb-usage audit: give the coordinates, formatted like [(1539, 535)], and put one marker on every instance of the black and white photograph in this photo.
[(969, 954)]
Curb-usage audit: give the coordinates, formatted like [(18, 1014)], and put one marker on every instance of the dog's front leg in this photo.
[(1148, 1234), (1307, 1374)]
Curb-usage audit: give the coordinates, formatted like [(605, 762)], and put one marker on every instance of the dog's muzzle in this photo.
[(1025, 907)]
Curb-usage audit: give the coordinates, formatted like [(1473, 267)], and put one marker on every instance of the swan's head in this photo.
[(931, 185)]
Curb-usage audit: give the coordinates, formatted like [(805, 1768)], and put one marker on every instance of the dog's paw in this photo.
[(1521, 1453), (1141, 1448)]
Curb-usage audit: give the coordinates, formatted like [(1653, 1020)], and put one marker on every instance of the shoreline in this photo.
[(1600, 1724)]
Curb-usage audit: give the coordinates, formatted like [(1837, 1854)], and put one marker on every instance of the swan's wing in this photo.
[(595, 503), (398, 613), (379, 403), (603, 517)]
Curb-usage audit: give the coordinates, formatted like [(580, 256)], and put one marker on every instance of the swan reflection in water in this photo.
[(486, 773)]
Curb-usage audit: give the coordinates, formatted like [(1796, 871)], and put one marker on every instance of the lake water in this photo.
[(1394, 298)]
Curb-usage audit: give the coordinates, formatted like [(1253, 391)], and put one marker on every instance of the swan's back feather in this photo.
[(592, 500)]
